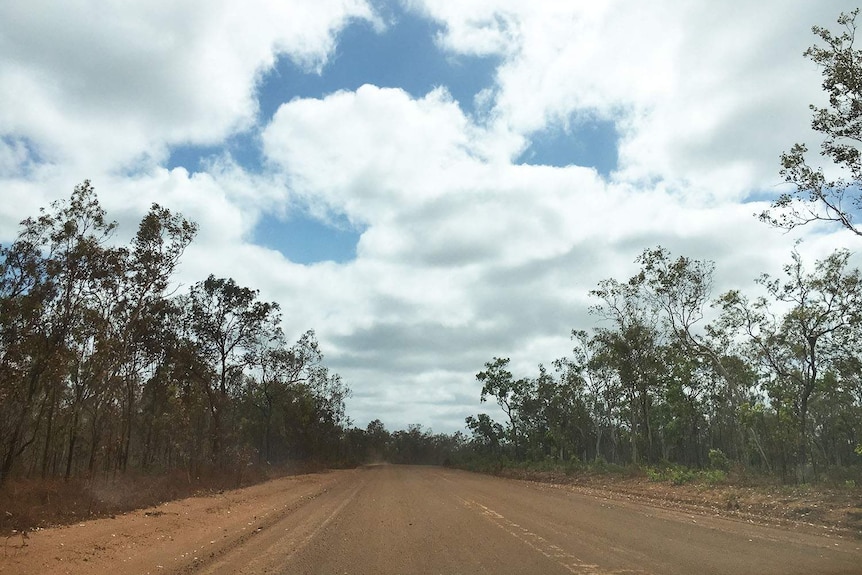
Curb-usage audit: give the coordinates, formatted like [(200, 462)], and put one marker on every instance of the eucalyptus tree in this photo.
[(487, 434), (275, 369), (49, 275), (224, 322), (808, 325), (565, 428), (632, 348), (322, 419), (689, 385), (816, 196), (498, 382), (602, 392), (836, 415), (168, 396), (546, 415), (541, 433), (377, 437), (23, 361), (680, 288), (130, 302), (72, 303)]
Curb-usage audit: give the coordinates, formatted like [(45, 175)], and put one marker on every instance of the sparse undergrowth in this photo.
[(679, 475), (32, 504), (28, 504)]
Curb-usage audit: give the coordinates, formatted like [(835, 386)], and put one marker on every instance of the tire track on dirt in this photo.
[(277, 540), (390, 520), (538, 543)]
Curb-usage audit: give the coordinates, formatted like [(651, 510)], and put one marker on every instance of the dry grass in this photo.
[(29, 504), (833, 508)]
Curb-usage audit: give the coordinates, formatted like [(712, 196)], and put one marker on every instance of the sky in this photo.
[(427, 184)]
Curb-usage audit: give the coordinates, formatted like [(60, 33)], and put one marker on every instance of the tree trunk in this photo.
[(49, 432), (634, 431), (803, 439), (73, 436), (94, 443), (598, 440)]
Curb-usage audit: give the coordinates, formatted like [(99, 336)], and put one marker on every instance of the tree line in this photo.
[(771, 383), (103, 370)]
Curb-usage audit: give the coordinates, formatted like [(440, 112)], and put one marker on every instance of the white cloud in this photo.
[(101, 84), (379, 138), (706, 95)]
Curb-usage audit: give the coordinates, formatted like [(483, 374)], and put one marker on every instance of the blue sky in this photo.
[(404, 55), (337, 158)]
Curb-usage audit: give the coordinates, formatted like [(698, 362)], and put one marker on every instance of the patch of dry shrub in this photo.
[(28, 504)]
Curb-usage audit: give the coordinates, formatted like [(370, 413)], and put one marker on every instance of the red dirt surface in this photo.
[(399, 519)]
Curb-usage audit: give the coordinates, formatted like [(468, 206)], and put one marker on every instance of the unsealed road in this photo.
[(394, 519)]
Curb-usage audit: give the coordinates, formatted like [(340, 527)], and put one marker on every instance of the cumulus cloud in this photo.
[(692, 88), (379, 138), (105, 84)]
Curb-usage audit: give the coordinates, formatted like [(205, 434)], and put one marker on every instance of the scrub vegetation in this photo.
[(103, 371)]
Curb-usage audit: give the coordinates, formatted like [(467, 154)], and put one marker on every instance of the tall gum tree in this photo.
[(49, 277), (816, 196), (225, 322), (681, 289), (498, 382), (602, 393), (143, 276), (809, 325), (631, 347)]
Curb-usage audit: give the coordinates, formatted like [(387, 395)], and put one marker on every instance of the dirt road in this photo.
[(393, 519)]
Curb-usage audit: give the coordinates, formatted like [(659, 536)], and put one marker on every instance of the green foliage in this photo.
[(801, 338), (713, 476), (102, 370), (815, 197), (682, 476), (770, 386), (718, 460), (655, 475)]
